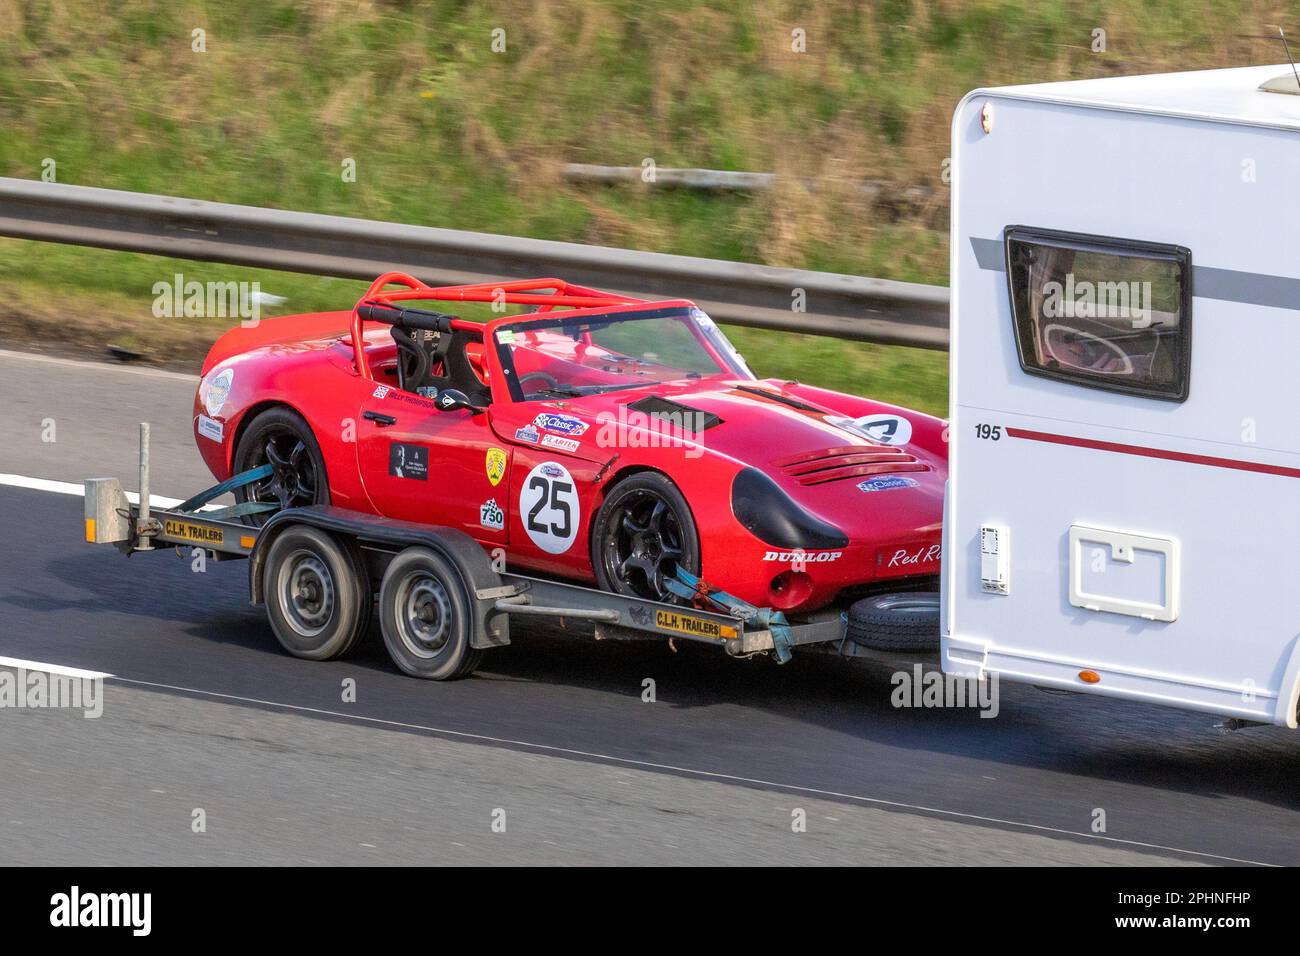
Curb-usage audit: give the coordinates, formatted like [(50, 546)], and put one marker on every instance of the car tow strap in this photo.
[(230, 484), (692, 588)]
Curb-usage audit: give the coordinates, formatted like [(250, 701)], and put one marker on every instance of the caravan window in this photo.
[(1104, 313)]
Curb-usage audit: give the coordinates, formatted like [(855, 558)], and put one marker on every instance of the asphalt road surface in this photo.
[(549, 754)]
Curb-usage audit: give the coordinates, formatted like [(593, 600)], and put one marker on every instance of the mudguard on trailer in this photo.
[(482, 583)]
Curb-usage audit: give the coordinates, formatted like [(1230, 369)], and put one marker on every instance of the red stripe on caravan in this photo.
[(1163, 453)]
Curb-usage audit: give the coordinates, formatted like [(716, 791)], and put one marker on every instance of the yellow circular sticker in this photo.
[(496, 465)]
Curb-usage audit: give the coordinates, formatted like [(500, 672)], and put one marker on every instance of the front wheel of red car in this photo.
[(281, 438), (643, 533)]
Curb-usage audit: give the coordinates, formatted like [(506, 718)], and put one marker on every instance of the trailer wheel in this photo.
[(317, 594), (424, 613), (896, 622)]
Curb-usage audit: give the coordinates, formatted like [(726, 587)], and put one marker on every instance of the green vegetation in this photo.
[(444, 131)]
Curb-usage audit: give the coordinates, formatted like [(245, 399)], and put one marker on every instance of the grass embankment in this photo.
[(444, 131)]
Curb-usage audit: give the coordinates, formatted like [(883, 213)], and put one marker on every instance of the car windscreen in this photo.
[(562, 356)]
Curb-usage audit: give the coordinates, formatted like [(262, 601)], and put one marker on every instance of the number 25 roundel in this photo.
[(548, 505)]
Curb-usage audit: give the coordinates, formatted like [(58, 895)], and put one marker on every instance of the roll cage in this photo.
[(390, 307)]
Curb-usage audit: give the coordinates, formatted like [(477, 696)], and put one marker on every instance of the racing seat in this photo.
[(429, 361)]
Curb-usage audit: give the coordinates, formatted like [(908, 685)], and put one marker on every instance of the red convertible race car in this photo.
[(596, 437)]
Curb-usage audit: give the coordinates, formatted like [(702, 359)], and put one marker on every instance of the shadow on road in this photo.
[(589, 692)]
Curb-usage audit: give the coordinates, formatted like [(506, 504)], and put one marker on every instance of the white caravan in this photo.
[(1123, 512)]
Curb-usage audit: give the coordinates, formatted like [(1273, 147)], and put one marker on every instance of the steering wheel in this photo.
[(552, 383)]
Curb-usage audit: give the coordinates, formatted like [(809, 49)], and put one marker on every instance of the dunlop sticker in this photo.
[(694, 626), (194, 532)]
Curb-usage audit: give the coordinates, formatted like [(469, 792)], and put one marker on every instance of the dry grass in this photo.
[(446, 132)]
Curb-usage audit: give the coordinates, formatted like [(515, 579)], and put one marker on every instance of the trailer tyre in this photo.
[(425, 617), (896, 622), (317, 594)]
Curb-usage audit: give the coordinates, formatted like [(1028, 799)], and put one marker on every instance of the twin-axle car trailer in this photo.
[(441, 598)]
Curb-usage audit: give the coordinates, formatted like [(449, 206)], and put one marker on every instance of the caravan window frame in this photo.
[(1180, 256)]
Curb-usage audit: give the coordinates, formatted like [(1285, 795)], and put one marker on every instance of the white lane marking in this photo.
[(96, 366), (708, 774), (71, 488), (60, 669)]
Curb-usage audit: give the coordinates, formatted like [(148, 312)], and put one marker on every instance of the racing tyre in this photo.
[(643, 531), (896, 622), (317, 594), (281, 438), (425, 616)]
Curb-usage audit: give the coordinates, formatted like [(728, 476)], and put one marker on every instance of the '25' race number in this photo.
[(548, 503)]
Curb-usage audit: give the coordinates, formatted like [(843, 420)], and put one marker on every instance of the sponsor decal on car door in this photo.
[(432, 466)]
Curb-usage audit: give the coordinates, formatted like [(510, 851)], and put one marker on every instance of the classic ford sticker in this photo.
[(564, 424), (886, 483)]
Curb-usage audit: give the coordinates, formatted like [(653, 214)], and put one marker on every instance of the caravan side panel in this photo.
[(1151, 542)]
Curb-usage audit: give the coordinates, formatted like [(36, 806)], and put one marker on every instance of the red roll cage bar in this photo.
[(547, 294)]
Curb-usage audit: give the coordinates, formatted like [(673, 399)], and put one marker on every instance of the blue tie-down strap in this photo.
[(241, 509), (230, 484), (691, 588)]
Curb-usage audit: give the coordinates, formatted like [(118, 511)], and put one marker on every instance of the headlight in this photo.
[(773, 517)]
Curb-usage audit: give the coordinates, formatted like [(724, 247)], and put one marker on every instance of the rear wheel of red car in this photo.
[(281, 438), (643, 533)]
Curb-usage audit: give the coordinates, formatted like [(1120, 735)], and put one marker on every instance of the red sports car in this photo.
[(596, 437)]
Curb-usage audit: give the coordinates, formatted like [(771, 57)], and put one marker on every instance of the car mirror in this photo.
[(450, 399)]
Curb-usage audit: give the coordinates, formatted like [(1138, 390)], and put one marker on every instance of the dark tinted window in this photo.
[(1101, 312)]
